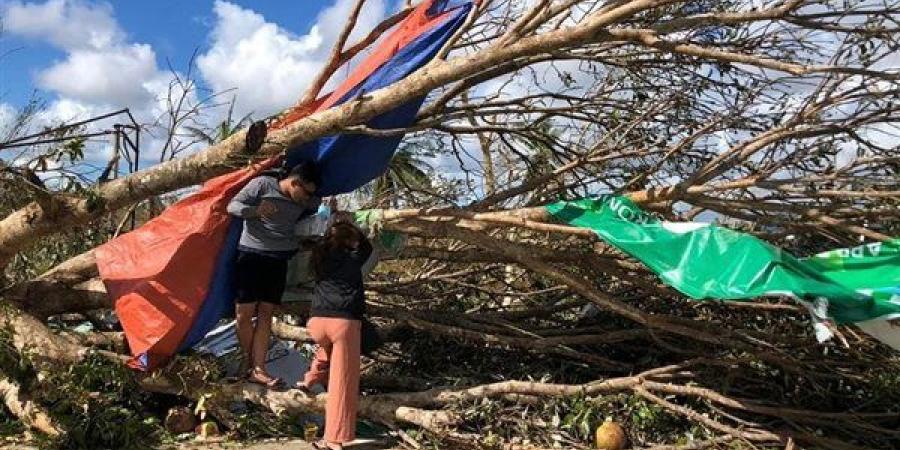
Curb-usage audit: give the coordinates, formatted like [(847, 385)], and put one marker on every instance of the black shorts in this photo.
[(259, 278)]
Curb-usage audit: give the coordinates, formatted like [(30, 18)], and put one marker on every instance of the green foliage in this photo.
[(11, 364), (582, 418), (73, 150), (885, 384), (55, 249), (427, 440), (97, 400), (93, 199), (17, 368), (9, 424), (100, 404), (650, 420), (257, 423)]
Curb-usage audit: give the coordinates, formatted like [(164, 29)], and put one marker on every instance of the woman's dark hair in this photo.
[(340, 236), (306, 171)]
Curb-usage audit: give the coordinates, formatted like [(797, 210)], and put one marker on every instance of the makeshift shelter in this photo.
[(171, 278)]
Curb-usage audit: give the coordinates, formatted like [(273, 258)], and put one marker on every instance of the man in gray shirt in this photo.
[(271, 208)]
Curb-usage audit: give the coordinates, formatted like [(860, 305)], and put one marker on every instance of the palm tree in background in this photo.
[(407, 169)]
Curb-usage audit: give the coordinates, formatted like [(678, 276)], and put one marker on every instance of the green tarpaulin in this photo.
[(705, 261)]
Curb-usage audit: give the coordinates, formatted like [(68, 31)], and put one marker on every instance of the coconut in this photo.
[(610, 436)]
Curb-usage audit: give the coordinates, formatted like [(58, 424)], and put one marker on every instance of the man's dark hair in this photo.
[(307, 171)]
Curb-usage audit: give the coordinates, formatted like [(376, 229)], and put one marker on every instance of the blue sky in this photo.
[(88, 56), (174, 28)]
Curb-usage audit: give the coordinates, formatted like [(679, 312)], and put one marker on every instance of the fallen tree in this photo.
[(691, 109)]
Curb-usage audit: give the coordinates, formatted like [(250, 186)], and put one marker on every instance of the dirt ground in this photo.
[(269, 444), (292, 444)]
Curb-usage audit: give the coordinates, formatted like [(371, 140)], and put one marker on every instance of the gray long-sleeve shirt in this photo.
[(275, 234)]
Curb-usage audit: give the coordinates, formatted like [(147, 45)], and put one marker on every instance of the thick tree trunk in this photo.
[(43, 298), (33, 339)]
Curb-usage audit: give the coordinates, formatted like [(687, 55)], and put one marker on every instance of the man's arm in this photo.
[(244, 204)]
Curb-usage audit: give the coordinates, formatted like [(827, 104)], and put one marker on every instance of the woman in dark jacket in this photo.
[(336, 316)]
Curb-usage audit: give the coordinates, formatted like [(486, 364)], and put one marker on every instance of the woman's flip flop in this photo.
[(323, 445), (300, 386)]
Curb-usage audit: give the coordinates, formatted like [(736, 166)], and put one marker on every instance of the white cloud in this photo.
[(100, 67), (68, 110), (330, 21), (69, 25), (114, 76), (268, 66), (7, 115)]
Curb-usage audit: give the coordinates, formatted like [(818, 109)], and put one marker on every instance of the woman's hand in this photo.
[(332, 203)]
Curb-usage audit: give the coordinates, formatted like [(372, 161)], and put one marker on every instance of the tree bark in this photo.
[(32, 339), (43, 298)]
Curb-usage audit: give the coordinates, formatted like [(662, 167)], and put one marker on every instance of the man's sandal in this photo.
[(260, 377)]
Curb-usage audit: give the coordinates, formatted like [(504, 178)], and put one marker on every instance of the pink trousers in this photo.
[(337, 365)]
